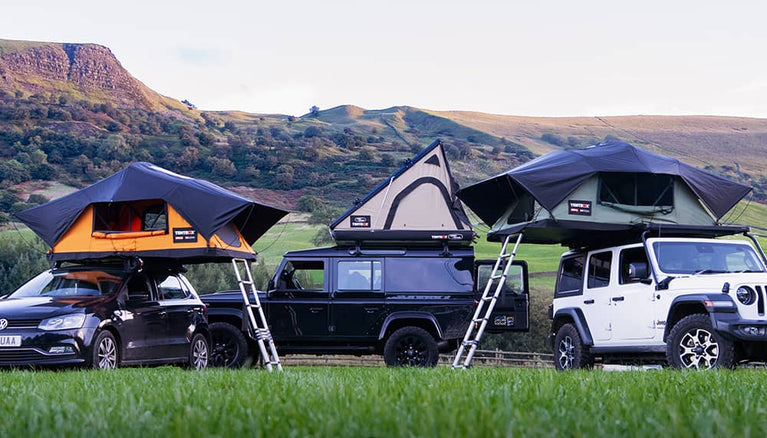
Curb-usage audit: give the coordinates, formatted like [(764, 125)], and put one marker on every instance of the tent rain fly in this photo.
[(145, 210), (574, 196)]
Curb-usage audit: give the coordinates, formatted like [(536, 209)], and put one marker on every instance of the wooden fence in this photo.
[(482, 358)]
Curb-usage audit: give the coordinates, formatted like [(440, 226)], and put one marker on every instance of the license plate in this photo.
[(10, 341)]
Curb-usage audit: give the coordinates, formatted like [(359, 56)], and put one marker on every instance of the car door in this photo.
[(299, 305), (180, 308), (597, 304), (358, 307), (633, 312), (141, 321), (512, 308)]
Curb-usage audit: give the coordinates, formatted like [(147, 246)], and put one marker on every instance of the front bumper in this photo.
[(39, 347), (734, 327)]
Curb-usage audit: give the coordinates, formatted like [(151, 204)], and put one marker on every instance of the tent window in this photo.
[(130, 217), (637, 189)]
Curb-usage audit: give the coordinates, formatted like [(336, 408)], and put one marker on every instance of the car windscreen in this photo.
[(706, 257), (71, 282)]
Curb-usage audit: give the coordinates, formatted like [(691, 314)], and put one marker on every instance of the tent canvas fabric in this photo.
[(416, 203), (112, 218), (563, 196)]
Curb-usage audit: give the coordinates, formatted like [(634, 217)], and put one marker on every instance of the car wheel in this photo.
[(106, 354), (229, 348), (198, 352), (693, 344), (411, 347), (569, 351)]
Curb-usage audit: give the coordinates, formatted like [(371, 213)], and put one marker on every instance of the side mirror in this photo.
[(638, 271)]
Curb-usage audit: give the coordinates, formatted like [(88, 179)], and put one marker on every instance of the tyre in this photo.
[(106, 354), (569, 351), (411, 347), (229, 348), (693, 344), (198, 352)]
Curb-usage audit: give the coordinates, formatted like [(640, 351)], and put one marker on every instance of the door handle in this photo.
[(588, 301), (315, 309), (618, 298), (163, 314), (371, 309)]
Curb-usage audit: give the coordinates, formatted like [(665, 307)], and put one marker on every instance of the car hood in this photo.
[(714, 282), (45, 307)]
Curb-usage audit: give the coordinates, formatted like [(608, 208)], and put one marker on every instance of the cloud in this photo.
[(198, 57)]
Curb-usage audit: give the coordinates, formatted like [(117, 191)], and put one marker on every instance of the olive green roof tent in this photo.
[(417, 203), (573, 196)]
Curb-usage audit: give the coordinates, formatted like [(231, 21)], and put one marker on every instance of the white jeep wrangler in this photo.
[(700, 302)]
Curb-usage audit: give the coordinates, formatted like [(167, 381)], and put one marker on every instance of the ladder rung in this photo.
[(505, 256), (480, 319), (467, 343), (248, 282), (257, 306), (496, 277), (488, 298)]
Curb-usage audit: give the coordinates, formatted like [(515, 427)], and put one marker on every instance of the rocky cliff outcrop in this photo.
[(87, 69)]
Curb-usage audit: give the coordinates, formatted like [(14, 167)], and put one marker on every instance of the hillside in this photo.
[(70, 114)]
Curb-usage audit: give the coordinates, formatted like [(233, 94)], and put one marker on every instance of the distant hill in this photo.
[(70, 114)]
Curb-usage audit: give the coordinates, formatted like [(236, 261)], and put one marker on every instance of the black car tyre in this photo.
[(411, 347), (198, 352), (106, 354), (693, 344), (569, 351), (229, 348)]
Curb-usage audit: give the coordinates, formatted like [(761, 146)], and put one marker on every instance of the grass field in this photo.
[(378, 402)]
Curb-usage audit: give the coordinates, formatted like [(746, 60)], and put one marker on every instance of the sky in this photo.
[(527, 58)]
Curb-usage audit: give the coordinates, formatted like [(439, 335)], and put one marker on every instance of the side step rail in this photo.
[(486, 304), (258, 324)]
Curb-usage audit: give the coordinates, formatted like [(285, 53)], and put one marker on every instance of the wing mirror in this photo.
[(639, 272)]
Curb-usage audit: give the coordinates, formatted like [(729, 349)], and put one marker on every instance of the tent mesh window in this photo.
[(638, 189), (130, 217)]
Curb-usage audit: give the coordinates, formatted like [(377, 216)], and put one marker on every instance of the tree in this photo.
[(308, 203), (314, 111), (388, 160), (284, 176)]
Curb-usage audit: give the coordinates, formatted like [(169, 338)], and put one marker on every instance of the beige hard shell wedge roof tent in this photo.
[(416, 203)]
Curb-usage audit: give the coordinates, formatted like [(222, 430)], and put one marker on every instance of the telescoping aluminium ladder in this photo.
[(486, 304), (259, 326)]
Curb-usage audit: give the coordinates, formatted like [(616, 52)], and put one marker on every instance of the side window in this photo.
[(170, 288), (359, 275), (629, 256), (138, 288), (429, 274), (599, 269), (306, 275), (570, 280)]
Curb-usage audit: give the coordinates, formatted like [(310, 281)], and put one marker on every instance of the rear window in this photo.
[(570, 279), (428, 275), (76, 282)]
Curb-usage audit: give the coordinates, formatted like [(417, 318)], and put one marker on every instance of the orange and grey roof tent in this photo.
[(147, 211)]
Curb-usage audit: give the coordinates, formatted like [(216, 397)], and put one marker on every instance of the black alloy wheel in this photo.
[(411, 347), (229, 348)]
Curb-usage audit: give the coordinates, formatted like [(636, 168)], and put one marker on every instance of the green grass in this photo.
[(365, 402), (284, 237)]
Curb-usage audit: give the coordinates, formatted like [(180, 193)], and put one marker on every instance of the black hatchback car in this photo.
[(104, 316)]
